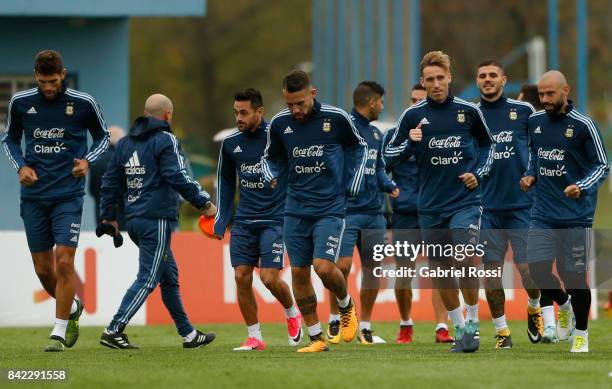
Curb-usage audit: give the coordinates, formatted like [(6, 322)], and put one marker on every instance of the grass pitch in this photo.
[(162, 362)]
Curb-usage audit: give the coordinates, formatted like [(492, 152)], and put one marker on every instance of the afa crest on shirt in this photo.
[(461, 117), (376, 136), (327, 126), (69, 109), (513, 115), (569, 132)]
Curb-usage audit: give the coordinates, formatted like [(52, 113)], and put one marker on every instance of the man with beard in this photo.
[(568, 162), (314, 139), (257, 232), (507, 209)]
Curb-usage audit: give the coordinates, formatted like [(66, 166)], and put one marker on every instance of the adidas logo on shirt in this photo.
[(424, 121), (277, 259), (330, 252), (32, 110), (537, 130), (133, 165), (237, 149), (288, 130)]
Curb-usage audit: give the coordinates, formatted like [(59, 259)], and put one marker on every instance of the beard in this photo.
[(245, 126), (374, 115), (303, 117), (554, 109), (50, 96), (492, 94)]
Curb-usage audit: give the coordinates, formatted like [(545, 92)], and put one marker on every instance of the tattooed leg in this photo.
[(494, 291), (304, 294)]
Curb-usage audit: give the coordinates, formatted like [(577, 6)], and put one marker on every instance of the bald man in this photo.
[(148, 174), (568, 162)]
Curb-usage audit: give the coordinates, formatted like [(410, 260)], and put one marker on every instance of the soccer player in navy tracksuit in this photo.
[(454, 151), (364, 212), (507, 209), (405, 217), (568, 163), (55, 121), (148, 172), (326, 158), (257, 231)]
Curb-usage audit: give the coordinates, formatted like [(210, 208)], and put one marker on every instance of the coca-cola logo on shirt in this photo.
[(503, 137), (312, 151), (551, 155), (253, 169), (52, 133), (450, 142)]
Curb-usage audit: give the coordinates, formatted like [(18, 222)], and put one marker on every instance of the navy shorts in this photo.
[(375, 231), (257, 245), (405, 221), (405, 229), (568, 245), (461, 227), (307, 239), (500, 227), (50, 223)]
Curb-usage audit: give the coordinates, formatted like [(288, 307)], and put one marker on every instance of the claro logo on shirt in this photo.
[(306, 152), (451, 142), (557, 172), (317, 168), (508, 151), (252, 184), (57, 148), (452, 160), (552, 155), (251, 169)]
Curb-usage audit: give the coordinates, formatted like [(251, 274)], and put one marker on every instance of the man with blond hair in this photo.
[(453, 148)]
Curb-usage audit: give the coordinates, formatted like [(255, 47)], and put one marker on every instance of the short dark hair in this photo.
[(296, 81), (530, 95), (491, 62), (418, 86), (48, 62), (250, 94), (365, 91)]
